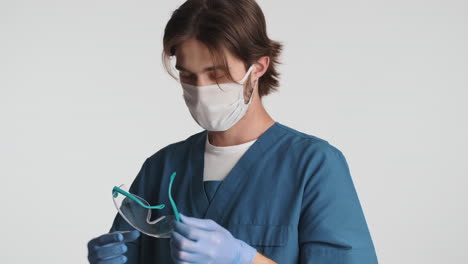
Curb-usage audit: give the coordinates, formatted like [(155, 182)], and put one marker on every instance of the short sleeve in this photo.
[(332, 227)]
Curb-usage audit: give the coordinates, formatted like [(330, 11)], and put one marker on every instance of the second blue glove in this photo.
[(196, 240)]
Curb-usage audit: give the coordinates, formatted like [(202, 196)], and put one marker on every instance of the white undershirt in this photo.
[(219, 161)]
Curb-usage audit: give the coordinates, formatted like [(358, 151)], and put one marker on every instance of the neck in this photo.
[(254, 123)]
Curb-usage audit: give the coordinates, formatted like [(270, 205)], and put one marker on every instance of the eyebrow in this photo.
[(181, 68)]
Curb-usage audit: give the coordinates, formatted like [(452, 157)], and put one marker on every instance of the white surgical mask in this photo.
[(217, 108)]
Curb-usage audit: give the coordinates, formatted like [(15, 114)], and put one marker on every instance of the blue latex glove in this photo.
[(110, 248), (203, 241)]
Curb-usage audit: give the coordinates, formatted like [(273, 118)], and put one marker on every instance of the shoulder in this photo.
[(314, 157), (176, 149), (307, 144), (320, 164)]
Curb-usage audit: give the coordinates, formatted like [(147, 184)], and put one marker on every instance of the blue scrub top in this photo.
[(291, 196)]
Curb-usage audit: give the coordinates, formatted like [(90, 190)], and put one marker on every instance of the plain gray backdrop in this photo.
[(84, 100)]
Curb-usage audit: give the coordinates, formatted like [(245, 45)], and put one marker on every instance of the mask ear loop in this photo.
[(253, 89), (246, 74), (242, 82)]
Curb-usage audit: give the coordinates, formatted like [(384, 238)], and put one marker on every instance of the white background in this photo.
[(84, 100)]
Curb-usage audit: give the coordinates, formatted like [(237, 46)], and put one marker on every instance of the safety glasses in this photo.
[(141, 215)]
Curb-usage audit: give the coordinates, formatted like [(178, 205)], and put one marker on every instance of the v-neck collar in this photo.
[(201, 207)]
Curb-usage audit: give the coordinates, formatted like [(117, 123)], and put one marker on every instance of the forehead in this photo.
[(194, 55)]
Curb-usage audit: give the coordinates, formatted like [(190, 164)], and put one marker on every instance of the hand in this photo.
[(197, 240), (110, 248)]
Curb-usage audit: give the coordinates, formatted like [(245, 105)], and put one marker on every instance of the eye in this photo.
[(187, 76), (216, 75)]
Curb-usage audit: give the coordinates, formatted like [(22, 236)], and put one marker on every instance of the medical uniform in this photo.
[(290, 196)]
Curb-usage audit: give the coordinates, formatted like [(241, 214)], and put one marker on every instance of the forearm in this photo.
[(260, 259)]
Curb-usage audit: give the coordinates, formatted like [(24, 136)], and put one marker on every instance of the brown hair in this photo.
[(239, 26)]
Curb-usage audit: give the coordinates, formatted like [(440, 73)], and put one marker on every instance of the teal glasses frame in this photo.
[(116, 190)]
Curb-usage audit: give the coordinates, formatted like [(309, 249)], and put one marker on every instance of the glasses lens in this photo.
[(153, 222)]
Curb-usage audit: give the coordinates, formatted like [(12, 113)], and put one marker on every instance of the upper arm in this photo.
[(332, 227), (119, 223)]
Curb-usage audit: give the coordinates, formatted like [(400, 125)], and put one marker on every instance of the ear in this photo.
[(261, 66)]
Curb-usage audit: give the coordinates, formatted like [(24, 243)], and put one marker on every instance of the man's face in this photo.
[(193, 60)]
